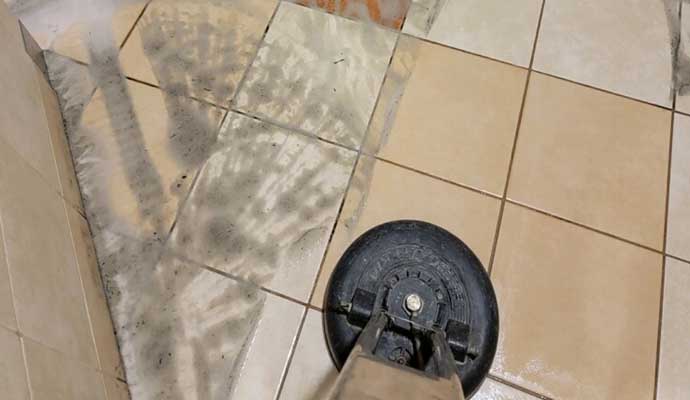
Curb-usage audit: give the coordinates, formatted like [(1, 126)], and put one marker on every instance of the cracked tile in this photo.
[(318, 73), (264, 205)]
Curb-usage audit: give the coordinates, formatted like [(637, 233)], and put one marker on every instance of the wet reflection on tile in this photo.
[(181, 328), (219, 39), (264, 205), (319, 73), (390, 13)]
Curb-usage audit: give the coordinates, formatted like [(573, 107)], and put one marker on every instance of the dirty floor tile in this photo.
[(590, 299), (116, 390), (493, 28), (73, 28), (219, 38), (459, 126), (48, 296), (312, 372), (7, 317), (678, 230), (264, 205), (319, 73), (55, 376), (595, 158), (12, 370), (381, 192), (618, 45), (181, 328), (137, 150), (259, 376), (494, 390), (674, 356), (389, 13), (682, 66)]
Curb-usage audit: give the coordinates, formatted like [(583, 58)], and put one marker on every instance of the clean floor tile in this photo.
[(381, 192), (674, 355), (573, 303), (389, 13), (493, 28), (318, 72), (678, 230), (48, 296), (219, 38), (264, 205), (459, 126), (618, 45), (595, 158), (259, 376), (12, 370)]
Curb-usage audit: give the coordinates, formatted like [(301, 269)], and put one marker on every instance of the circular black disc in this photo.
[(398, 258)]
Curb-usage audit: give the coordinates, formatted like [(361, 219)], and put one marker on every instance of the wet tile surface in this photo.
[(621, 46), (457, 126), (12, 369), (674, 356), (587, 295), (220, 38), (594, 158), (493, 28), (375, 197), (264, 205), (678, 230), (389, 13), (319, 73)]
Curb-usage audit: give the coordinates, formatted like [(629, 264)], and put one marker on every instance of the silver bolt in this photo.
[(413, 303)]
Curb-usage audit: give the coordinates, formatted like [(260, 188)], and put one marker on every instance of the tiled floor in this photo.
[(228, 151)]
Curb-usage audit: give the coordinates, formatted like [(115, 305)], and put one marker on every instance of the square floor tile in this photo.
[(381, 192), (267, 352), (219, 38), (319, 73), (579, 310), (593, 157), (493, 390), (678, 230), (619, 45), (493, 28), (674, 355), (7, 317), (389, 13), (264, 205), (68, 28), (448, 113), (312, 373), (55, 376), (137, 150), (12, 370), (181, 328), (48, 296)]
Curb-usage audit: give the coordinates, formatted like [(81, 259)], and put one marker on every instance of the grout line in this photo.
[(291, 354), (134, 25), (517, 387), (197, 99), (26, 366), (501, 210), (683, 260), (3, 240)]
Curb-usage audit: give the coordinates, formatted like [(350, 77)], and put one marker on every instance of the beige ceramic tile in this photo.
[(381, 192), (678, 230), (264, 205), (99, 315), (7, 317), (459, 126), (136, 153), (63, 157), (312, 372), (267, 352), (494, 28), (74, 29), (48, 297), (493, 390), (12, 370), (219, 38), (389, 13), (326, 86), (55, 376), (116, 390), (594, 158), (619, 45), (573, 304), (9, 26), (674, 355)]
